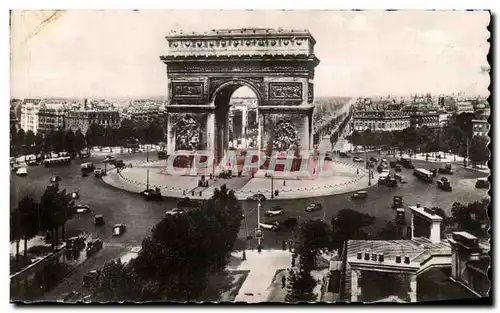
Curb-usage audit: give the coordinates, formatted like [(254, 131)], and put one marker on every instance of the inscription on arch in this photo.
[(289, 91)]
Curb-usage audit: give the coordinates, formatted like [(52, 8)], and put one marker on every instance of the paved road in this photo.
[(119, 206)]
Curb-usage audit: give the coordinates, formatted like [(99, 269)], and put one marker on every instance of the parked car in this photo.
[(87, 167), (90, 278), (275, 226), (98, 220), (482, 183), (361, 195), (398, 168), (175, 211), (358, 159), (99, 172), (393, 164), (75, 195), (257, 197), (82, 209), (397, 202), (22, 171), (275, 211), (446, 170), (444, 184), (391, 182), (93, 247), (150, 194), (314, 207), (32, 162), (343, 154), (162, 155), (119, 229)]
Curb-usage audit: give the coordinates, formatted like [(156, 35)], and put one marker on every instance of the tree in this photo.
[(94, 135), (20, 138), (28, 219), (69, 142), (355, 139), (300, 286), (29, 139), (184, 250), (15, 231), (478, 150), (313, 237), (79, 141), (349, 224), (472, 218), (39, 143), (117, 281), (389, 232), (56, 208)]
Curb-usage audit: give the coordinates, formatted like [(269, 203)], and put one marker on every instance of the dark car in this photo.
[(397, 202), (55, 179), (398, 168), (257, 197), (98, 220), (446, 170), (119, 164), (151, 194), (444, 184), (393, 164), (75, 243), (93, 247), (343, 155), (391, 182), (314, 207), (360, 195), (374, 159), (482, 183), (119, 229), (90, 278)]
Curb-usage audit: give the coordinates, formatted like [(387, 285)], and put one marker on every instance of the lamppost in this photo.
[(147, 153), (258, 230), (272, 186)]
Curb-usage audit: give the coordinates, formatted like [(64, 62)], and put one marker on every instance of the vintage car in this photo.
[(361, 195), (82, 209), (150, 194), (55, 179), (444, 184), (358, 159), (99, 172), (93, 246), (90, 278), (398, 168), (75, 195), (482, 183), (391, 182), (397, 202), (257, 197), (275, 211), (275, 226), (446, 170), (314, 207), (98, 220), (119, 229), (175, 211)]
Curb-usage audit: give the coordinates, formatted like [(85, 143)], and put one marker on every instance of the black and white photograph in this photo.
[(250, 156)]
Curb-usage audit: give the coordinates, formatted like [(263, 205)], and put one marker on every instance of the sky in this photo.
[(115, 54)]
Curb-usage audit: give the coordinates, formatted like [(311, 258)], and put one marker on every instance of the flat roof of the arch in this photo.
[(241, 33)]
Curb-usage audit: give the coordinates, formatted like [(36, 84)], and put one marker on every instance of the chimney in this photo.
[(381, 257), (407, 259), (359, 256), (398, 259), (367, 256), (418, 205), (374, 257)]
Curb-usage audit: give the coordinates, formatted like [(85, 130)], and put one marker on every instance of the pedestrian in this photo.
[(283, 247), (283, 281), (244, 256), (284, 183), (357, 171)]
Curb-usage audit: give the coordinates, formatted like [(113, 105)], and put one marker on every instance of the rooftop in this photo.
[(427, 213)]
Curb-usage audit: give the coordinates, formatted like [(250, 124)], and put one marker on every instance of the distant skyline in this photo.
[(115, 54)]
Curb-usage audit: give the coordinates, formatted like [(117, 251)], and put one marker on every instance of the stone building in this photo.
[(380, 120), (51, 115), (415, 269), (86, 115), (29, 115)]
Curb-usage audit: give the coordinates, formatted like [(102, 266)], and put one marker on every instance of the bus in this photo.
[(423, 174), (63, 160)]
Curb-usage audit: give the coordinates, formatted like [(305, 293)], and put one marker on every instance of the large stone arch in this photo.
[(203, 70)]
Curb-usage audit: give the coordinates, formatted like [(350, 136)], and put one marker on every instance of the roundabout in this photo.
[(341, 177)]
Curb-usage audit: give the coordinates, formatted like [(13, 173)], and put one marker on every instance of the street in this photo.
[(140, 216)]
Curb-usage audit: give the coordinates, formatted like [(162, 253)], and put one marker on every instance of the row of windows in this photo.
[(381, 124)]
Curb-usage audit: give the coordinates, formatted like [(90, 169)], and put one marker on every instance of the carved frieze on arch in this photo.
[(187, 133), (285, 136), (218, 84)]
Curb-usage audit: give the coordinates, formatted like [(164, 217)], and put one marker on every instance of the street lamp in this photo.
[(272, 186)]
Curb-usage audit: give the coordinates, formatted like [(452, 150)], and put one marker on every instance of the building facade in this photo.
[(480, 127), (380, 120), (430, 119), (82, 119), (145, 111), (465, 106), (29, 115), (51, 116)]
